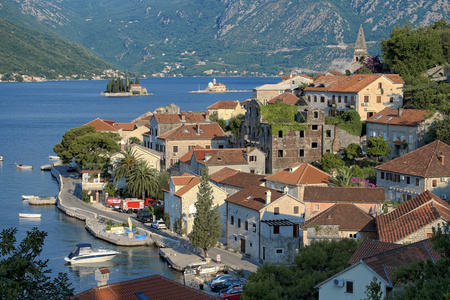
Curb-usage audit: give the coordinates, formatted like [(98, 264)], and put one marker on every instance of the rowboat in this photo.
[(31, 216), (20, 166)]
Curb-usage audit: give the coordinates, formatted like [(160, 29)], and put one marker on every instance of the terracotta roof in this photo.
[(243, 180), (222, 174), (187, 181), (153, 287), (191, 132), (254, 197), (409, 117), (102, 125), (286, 97), (103, 270), (125, 126), (176, 118), (348, 216), (371, 248), (349, 84), (411, 216), (224, 105), (344, 194), (384, 264), (187, 157), (423, 162), (299, 174), (226, 157), (200, 153)]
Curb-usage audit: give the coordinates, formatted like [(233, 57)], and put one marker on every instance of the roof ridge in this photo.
[(432, 156), (302, 173)]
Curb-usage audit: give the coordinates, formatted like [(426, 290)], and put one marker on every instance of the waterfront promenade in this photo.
[(176, 249)]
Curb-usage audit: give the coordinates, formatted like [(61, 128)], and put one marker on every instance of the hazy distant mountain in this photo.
[(189, 37)]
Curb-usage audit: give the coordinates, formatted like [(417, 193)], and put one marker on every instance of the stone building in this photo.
[(264, 224), (226, 110), (413, 220), (424, 169), (365, 93), (360, 54), (405, 129)]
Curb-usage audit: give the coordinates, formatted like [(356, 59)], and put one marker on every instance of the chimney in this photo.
[(183, 116), (207, 115), (441, 158), (198, 128), (268, 197), (189, 112), (248, 149), (101, 276), (400, 111), (285, 190)]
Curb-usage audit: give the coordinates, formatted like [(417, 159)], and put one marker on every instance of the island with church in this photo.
[(118, 87), (215, 87)]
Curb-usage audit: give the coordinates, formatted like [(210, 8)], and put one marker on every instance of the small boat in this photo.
[(53, 157), (84, 253), (1, 157), (31, 216), (20, 166), (28, 197)]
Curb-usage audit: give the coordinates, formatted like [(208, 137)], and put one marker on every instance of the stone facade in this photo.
[(423, 233)]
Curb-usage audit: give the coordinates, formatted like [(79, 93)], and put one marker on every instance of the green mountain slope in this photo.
[(190, 37)]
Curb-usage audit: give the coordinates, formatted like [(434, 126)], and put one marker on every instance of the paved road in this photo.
[(71, 197)]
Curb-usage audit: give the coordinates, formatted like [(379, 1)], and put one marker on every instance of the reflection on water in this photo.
[(82, 270)]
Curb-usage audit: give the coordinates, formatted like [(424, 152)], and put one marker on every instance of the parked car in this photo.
[(220, 278), (224, 290), (216, 287), (144, 216), (232, 294), (158, 224)]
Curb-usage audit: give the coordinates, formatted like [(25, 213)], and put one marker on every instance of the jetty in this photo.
[(46, 168), (44, 200)]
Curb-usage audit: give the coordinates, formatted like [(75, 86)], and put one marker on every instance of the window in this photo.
[(315, 98), (380, 85), (252, 158), (391, 99), (322, 99), (276, 229), (345, 99), (254, 227), (314, 145), (349, 287), (246, 225), (378, 99), (328, 133), (220, 146), (408, 180), (309, 99), (352, 99), (301, 153), (339, 99), (279, 251), (276, 210), (316, 114), (280, 133), (333, 98), (315, 127), (175, 149), (434, 183), (302, 134), (232, 220), (382, 175), (208, 147), (316, 207), (296, 210), (280, 153), (366, 99), (417, 181), (252, 171), (239, 223)]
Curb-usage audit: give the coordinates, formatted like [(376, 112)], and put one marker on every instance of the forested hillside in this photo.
[(190, 37)]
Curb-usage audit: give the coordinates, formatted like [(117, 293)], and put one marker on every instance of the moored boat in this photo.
[(84, 253), (28, 197), (53, 157), (31, 216), (20, 166)]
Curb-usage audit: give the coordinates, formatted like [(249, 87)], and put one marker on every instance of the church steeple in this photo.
[(360, 46)]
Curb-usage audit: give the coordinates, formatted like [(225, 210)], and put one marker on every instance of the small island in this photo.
[(214, 87), (124, 88)]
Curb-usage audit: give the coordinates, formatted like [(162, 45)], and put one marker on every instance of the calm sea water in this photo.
[(33, 118)]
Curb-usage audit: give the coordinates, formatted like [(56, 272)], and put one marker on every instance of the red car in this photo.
[(233, 293)]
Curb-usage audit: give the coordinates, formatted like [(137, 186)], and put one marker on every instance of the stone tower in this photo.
[(360, 50)]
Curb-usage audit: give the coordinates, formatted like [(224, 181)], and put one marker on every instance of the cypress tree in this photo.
[(206, 229), (137, 80)]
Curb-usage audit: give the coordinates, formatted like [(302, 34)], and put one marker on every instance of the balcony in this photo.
[(350, 104), (400, 143)]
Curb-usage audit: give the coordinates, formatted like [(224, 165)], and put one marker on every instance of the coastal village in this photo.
[(274, 194)]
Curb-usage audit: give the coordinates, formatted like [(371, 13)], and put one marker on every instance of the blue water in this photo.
[(33, 118)]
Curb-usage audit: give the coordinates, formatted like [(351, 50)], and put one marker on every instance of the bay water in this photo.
[(33, 118)]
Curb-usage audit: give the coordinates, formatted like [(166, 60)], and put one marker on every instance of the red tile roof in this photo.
[(349, 84), (191, 132), (243, 180), (409, 117), (423, 162), (346, 215), (411, 216), (344, 194), (102, 125), (224, 105), (371, 248), (187, 157), (188, 182), (176, 118), (300, 174), (226, 157), (125, 126), (153, 287), (253, 197), (222, 174), (286, 97)]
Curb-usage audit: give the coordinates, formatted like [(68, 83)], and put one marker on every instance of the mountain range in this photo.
[(252, 37)]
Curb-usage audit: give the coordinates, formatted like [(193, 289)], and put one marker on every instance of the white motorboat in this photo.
[(84, 253), (31, 216), (53, 157), (28, 197), (21, 166)]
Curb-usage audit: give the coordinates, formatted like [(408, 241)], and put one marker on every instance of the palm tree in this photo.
[(343, 178), (123, 167), (142, 180)]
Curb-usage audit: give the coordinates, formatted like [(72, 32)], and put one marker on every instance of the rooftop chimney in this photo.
[(441, 158), (183, 116), (268, 197), (207, 115), (400, 111), (102, 276), (285, 190), (198, 128)]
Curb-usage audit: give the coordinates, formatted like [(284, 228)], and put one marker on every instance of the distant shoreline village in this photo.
[(214, 87)]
